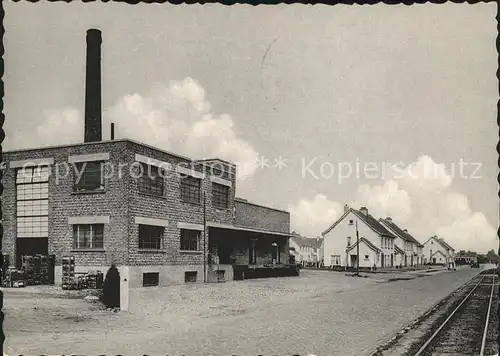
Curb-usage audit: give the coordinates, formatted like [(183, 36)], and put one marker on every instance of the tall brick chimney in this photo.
[(93, 124)]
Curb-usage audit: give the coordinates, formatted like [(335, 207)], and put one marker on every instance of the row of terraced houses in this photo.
[(382, 244)]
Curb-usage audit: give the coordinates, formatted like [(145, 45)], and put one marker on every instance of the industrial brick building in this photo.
[(160, 217), (106, 202)]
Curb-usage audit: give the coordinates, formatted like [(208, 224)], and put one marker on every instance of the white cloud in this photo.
[(311, 217), (384, 198), (178, 117), (175, 117), (418, 197), (58, 127)]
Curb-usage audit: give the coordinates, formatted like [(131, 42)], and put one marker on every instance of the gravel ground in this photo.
[(320, 312)]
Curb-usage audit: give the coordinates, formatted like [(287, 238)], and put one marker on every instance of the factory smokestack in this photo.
[(93, 124)]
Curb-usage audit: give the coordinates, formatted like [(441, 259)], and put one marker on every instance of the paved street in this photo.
[(320, 312)]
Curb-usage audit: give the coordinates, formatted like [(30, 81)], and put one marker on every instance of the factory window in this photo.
[(190, 276), (32, 201), (191, 189), (152, 180), (150, 279), (189, 239), (150, 237), (88, 236), (88, 176), (220, 196)]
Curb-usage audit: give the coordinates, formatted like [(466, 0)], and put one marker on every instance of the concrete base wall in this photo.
[(131, 276)]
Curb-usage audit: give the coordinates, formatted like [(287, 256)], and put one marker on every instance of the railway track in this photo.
[(467, 329)]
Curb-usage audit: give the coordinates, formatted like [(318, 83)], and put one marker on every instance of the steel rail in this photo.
[(424, 346), (483, 342)]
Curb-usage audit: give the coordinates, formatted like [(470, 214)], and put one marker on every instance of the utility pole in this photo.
[(357, 249), (204, 238)]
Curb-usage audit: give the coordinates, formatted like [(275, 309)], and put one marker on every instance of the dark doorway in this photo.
[(383, 261), (354, 258), (392, 260), (30, 247)]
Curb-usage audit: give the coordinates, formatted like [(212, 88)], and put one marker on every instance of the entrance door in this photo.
[(354, 258), (434, 260), (392, 260), (383, 261)]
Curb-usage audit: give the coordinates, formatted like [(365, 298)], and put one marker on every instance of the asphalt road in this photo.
[(320, 313)]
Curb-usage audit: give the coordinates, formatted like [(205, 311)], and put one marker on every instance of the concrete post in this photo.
[(124, 288)]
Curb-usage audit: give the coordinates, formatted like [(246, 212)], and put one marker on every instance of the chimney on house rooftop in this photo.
[(388, 219), (404, 230), (346, 208), (364, 210), (93, 124)]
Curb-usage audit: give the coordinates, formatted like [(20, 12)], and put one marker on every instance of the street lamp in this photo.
[(357, 247)]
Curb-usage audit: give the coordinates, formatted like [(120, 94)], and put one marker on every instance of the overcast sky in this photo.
[(328, 89)]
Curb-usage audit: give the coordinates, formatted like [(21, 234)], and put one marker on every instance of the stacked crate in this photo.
[(68, 272), (37, 270), (94, 280), (27, 266)]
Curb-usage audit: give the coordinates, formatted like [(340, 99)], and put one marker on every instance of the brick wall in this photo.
[(63, 203), (260, 217), (170, 207), (122, 202)]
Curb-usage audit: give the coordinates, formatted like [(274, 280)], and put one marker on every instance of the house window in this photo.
[(335, 260), (220, 196), (32, 202), (88, 176), (189, 239), (150, 237), (152, 180), (88, 236), (191, 189), (150, 279), (351, 222), (348, 241), (367, 257)]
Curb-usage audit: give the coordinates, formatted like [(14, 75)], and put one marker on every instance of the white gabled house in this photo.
[(438, 251), (306, 250), (409, 249), (339, 246)]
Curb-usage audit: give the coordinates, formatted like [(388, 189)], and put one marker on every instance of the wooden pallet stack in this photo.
[(68, 272), (94, 280), (28, 268)]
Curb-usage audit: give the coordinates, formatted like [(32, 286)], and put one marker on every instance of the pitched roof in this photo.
[(446, 244), (441, 242), (398, 249), (373, 223), (404, 235), (438, 251), (336, 222), (306, 241), (367, 242)]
